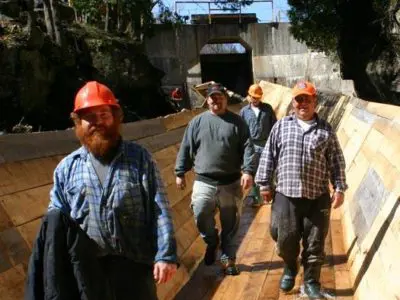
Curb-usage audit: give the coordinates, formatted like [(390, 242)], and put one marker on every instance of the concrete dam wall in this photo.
[(275, 55), (368, 132)]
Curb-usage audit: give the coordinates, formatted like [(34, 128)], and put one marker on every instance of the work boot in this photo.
[(211, 253), (229, 267), (312, 286), (288, 278)]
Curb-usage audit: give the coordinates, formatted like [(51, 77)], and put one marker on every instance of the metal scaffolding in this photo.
[(211, 9)]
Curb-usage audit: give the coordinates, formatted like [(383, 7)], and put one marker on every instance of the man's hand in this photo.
[(337, 199), (246, 181), (180, 182), (163, 271), (267, 196)]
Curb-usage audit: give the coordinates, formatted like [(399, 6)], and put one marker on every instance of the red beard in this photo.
[(99, 140)]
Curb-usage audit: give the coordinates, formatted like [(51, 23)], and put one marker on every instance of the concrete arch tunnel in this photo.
[(228, 61), (363, 258)]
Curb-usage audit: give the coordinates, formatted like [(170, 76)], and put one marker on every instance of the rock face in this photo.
[(38, 80), (370, 49)]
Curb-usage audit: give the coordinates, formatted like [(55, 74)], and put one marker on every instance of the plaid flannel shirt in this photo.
[(130, 216), (303, 162)]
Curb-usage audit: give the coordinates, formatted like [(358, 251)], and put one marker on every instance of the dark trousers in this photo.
[(129, 280), (64, 266), (295, 219)]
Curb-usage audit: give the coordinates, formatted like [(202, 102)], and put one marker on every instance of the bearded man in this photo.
[(112, 189)]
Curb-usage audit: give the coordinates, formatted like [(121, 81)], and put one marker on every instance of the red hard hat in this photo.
[(176, 94), (93, 94)]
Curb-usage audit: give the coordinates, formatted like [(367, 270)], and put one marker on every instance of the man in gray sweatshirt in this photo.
[(217, 144)]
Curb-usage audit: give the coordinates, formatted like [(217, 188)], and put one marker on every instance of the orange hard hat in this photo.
[(93, 94), (255, 91), (303, 88)]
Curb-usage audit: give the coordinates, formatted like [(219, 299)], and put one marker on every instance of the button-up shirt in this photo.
[(304, 161), (260, 126), (129, 214)]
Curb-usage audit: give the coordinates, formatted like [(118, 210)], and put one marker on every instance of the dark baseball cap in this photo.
[(215, 88)]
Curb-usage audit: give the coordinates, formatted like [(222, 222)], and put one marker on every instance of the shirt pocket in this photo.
[(319, 143), (78, 202), (128, 203)]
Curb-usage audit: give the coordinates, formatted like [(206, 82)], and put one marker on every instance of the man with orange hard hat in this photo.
[(260, 117), (112, 189), (303, 154)]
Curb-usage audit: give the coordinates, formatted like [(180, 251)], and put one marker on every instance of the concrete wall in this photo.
[(276, 54), (369, 134)]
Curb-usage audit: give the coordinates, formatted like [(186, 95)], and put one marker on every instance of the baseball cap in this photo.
[(304, 88), (215, 88)]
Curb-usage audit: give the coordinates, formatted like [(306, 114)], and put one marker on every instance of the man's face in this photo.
[(98, 129), (304, 106), (217, 103), (254, 101)]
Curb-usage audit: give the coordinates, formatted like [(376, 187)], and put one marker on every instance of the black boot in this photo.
[(312, 286), (288, 278)]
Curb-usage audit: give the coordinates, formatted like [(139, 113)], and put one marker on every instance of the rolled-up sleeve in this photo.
[(57, 197), (268, 162)]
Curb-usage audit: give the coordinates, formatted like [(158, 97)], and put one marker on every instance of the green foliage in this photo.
[(319, 23), (167, 16), (316, 23)]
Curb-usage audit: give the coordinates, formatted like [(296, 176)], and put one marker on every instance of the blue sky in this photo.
[(263, 10)]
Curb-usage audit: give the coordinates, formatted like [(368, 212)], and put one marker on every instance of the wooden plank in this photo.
[(168, 175), (29, 231), (5, 221), (175, 195), (186, 235), (19, 147), (158, 142), (166, 156), (28, 205), (180, 119), (14, 246), (19, 176), (12, 283), (181, 212)]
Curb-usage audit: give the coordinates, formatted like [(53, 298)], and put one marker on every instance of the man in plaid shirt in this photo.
[(302, 154)]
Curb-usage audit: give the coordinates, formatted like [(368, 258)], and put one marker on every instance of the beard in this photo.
[(99, 140)]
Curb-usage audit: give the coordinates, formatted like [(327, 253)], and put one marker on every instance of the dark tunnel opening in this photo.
[(229, 64)]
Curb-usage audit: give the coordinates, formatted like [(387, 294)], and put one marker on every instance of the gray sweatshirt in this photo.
[(218, 147)]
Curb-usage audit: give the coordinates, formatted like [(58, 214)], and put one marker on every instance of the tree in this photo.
[(320, 24)]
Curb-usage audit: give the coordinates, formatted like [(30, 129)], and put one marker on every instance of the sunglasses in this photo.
[(303, 99)]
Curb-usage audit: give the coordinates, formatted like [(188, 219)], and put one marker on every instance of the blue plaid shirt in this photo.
[(130, 216)]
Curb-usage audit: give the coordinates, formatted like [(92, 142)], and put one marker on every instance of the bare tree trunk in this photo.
[(48, 18), (106, 23), (56, 21), (31, 14)]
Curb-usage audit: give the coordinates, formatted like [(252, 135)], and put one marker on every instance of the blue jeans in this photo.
[(206, 198), (255, 190)]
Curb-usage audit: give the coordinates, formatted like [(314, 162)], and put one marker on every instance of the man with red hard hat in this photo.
[(112, 189), (303, 154)]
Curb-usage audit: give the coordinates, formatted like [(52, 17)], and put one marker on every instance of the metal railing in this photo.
[(211, 8)]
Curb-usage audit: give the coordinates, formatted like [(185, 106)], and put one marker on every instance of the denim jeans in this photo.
[(206, 198), (255, 190)]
